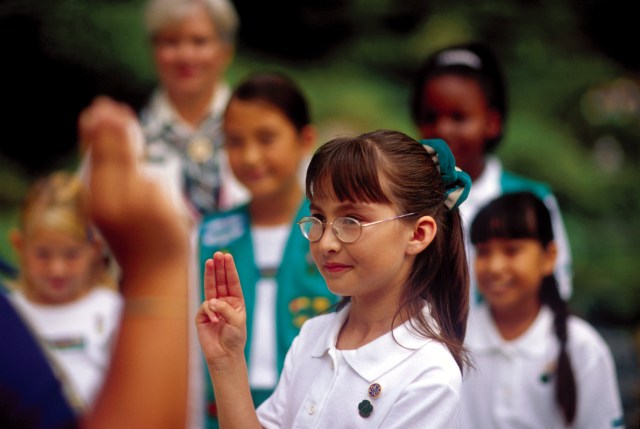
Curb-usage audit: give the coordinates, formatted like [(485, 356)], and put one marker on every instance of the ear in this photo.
[(17, 241), (549, 258), (226, 56), (424, 231), (308, 136), (494, 124)]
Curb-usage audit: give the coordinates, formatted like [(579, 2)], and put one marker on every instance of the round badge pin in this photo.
[(375, 390), (200, 149)]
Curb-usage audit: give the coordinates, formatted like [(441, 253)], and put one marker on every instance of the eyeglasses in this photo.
[(347, 229)]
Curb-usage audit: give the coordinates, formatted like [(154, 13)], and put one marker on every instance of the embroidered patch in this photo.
[(303, 308), (617, 423), (222, 231), (69, 343)]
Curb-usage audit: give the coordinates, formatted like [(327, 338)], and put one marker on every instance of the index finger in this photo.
[(209, 280)]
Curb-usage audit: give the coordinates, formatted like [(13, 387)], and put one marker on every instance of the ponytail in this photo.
[(443, 266), (566, 392)]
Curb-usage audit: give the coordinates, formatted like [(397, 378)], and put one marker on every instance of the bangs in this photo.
[(513, 216), (348, 169)]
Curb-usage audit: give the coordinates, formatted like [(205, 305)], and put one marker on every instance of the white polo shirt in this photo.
[(512, 385), (322, 387)]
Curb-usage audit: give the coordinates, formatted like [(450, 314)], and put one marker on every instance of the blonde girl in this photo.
[(66, 291)]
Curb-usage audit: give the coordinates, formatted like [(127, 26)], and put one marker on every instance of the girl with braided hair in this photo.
[(536, 365)]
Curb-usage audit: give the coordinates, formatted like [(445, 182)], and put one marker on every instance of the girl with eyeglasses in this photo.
[(268, 138), (386, 235)]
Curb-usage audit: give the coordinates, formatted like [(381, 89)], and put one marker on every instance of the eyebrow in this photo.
[(347, 205)]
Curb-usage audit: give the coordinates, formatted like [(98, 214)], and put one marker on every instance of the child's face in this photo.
[(189, 56), (377, 265), (264, 148), (455, 109), (56, 267), (510, 272)]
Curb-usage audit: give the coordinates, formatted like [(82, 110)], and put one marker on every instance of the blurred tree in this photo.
[(571, 75)]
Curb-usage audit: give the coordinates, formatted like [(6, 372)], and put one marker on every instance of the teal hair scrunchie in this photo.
[(457, 183)]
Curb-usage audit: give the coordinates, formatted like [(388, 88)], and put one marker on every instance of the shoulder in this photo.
[(585, 338), (512, 182), (220, 229), (100, 301), (317, 325), (103, 294), (433, 357)]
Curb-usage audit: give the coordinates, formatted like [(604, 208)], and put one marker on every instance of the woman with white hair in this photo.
[(193, 44)]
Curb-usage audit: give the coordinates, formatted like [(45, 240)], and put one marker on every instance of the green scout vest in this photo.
[(301, 292)]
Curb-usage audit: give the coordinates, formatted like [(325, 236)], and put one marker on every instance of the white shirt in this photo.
[(164, 161), (77, 336), (507, 389), (268, 248), (321, 386)]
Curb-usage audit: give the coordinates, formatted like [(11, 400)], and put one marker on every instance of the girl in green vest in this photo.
[(268, 138)]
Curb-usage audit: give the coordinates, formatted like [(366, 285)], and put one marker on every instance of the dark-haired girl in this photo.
[(385, 232), (268, 138), (536, 365), (460, 95)]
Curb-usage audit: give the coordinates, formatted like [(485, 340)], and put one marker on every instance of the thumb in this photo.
[(234, 316)]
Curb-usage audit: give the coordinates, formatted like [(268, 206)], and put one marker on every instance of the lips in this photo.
[(185, 72), (57, 284), (334, 267)]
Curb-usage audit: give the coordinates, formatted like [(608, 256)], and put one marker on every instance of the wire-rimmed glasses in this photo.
[(347, 229)]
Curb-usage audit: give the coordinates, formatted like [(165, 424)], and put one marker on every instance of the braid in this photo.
[(566, 392)]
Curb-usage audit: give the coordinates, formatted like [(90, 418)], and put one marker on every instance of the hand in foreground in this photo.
[(221, 319), (137, 219), (142, 229)]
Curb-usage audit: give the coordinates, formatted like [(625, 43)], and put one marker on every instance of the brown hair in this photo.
[(57, 202), (353, 168)]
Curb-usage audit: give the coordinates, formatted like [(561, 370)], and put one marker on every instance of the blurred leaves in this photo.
[(355, 59)]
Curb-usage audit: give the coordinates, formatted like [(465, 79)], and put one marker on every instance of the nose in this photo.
[(495, 264), (57, 266), (329, 242), (184, 51), (444, 128), (251, 154)]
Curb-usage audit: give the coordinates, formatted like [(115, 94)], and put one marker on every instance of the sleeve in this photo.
[(564, 271), (599, 404)]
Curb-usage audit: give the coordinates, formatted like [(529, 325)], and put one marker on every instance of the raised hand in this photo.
[(221, 320), (138, 220), (143, 230)]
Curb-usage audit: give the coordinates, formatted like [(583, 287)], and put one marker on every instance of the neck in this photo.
[(192, 108), (275, 209), (368, 321), (514, 322), (476, 169)]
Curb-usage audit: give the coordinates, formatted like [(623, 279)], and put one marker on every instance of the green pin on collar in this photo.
[(365, 408)]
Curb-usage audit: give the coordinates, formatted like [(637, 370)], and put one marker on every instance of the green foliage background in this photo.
[(363, 81)]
